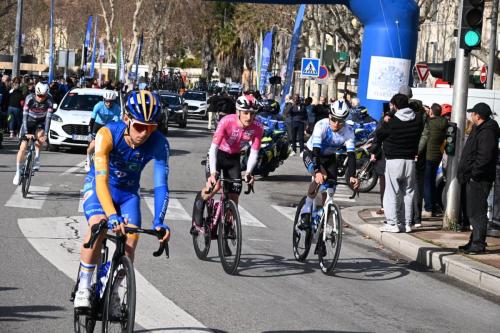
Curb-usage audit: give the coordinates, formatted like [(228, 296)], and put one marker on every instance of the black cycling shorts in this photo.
[(329, 163), (33, 126), (230, 167)]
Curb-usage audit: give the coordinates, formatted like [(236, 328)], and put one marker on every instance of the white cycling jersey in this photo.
[(328, 141)]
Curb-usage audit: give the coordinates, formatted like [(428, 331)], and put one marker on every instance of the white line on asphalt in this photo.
[(36, 198), (73, 169), (58, 240), (248, 219), (260, 240), (288, 212), (175, 211), (80, 203)]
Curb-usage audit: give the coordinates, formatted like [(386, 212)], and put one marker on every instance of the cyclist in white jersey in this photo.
[(319, 157)]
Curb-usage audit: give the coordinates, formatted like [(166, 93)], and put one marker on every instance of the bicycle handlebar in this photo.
[(96, 229), (235, 180)]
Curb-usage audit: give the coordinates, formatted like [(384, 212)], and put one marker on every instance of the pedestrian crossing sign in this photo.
[(309, 67)]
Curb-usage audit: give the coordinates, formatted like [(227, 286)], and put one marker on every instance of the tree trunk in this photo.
[(135, 37)]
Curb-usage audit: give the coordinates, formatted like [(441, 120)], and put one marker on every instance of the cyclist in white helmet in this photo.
[(37, 111), (104, 112), (328, 136)]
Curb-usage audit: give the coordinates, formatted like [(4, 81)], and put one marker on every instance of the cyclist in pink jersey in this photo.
[(232, 133)]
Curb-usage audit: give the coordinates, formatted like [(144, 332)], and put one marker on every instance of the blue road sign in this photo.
[(309, 67)]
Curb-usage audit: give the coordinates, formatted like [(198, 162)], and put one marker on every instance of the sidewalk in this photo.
[(433, 248)]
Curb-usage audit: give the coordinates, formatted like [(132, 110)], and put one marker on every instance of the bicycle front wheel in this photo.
[(301, 238), (27, 173), (229, 238), (119, 308), (330, 239), (203, 237)]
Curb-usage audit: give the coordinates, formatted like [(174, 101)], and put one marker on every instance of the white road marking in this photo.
[(36, 197), (74, 169), (58, 240), (80, 203), (260, 240), (175, 211), (248, 219), (288, 212)]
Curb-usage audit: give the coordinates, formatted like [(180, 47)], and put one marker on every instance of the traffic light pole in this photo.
[(460, 91)]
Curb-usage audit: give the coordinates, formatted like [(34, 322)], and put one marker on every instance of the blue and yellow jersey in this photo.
[(119, 166)]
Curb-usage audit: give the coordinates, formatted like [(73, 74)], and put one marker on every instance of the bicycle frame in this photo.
[(322, 222)]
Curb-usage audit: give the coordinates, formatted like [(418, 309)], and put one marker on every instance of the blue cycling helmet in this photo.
[(143, 106)]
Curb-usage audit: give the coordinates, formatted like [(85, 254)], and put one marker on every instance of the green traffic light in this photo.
[(472, 38)]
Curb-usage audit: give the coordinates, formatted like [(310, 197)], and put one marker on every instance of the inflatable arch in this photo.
[(388, 47)]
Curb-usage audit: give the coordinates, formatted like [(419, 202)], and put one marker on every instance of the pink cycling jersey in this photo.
[(231, 137)]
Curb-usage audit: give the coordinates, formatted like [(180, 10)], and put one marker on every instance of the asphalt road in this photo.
[(372, 290)]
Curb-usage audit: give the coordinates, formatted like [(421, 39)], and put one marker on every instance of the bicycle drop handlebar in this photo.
[(97, 228), (229, 180)]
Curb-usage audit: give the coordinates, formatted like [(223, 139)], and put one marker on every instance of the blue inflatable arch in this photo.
[(388, 48)]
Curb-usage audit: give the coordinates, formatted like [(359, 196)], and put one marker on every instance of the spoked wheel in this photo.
[(27, 173), (367, 177), (229, 238), (202, 240), (301, 238), (119, 308), (83, 323), (330, 239)]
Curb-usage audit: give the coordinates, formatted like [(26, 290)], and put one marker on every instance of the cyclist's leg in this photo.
[(232, 170), (312, 190), (130, 209), (40, 140)]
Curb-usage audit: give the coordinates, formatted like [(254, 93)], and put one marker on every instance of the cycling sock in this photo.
[(18, 167), (86, 271)]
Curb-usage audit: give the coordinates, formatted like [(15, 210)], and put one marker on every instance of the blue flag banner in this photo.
[(51, 55), (86, 44), (267, 47), (291, 55), (93, 49), (138, 56)]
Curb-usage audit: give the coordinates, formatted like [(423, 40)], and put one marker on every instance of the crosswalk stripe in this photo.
[(80, 203), (248, 219), (154, 312), (36, 198), (288, 212), (175, 211), (73, 169)]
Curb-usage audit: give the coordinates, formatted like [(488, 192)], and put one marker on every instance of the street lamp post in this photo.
[(17, 42)]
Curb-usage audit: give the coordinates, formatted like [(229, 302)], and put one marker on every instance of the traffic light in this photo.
[(472, 24), (443, 70), (451, 139)]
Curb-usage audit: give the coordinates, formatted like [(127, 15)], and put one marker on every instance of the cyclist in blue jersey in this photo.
[(111, 189), (319, 157), (104, 112)]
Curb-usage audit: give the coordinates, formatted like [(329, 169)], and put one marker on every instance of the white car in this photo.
[(196, 103), (69, 125)]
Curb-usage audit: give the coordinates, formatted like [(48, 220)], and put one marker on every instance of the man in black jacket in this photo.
[(476, 170), (399, 137)]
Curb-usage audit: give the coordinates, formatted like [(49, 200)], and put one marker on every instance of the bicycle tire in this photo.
[(225, 227), (126, 320), (369, 183), (27, 173), (300, 252), (330, 241), (201, 242)]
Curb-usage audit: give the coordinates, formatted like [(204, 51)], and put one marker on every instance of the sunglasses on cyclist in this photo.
[(141, 127), (337, 120)]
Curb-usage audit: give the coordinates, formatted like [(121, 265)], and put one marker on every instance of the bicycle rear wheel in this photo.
[(229, 238), (301, 238), (119, 308), (27, 173), (203, 238), (330, 239)]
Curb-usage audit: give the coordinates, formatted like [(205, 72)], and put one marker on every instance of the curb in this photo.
[(437, 258)]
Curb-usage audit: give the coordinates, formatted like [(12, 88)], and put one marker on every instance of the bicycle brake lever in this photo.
[(163, 246)]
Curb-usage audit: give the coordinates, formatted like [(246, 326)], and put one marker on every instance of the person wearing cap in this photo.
[(476, 170)]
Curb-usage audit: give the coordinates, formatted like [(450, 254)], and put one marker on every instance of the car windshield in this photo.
[(195, 96), (73, 101), (170, 100)]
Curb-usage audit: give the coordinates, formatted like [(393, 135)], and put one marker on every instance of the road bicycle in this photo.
[(113, 293), (221, 221), (323, 227), (27, 170)]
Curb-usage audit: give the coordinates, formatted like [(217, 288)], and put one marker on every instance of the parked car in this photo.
[(70, 122), (196, 103), (175, 107)]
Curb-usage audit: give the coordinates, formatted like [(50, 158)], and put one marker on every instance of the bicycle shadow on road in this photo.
[(313, 331), (369, 269), (26, 312), (182, 329), (269, 266)]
